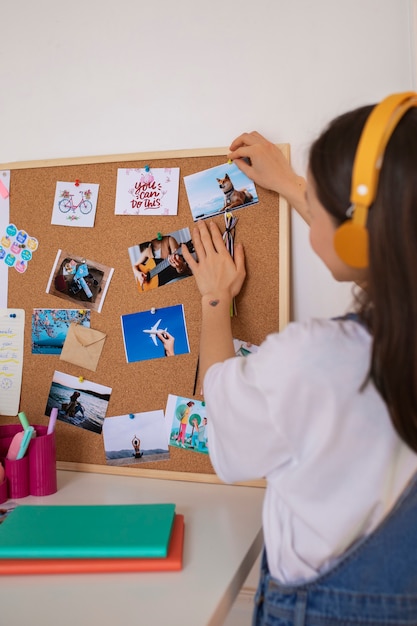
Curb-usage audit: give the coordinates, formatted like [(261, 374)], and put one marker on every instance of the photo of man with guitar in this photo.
[(160, 261)]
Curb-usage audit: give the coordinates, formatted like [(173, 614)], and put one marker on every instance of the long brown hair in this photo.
[(388, 306)]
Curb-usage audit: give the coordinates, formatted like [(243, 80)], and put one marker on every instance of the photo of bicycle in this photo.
[(67, 204), (75, 204)]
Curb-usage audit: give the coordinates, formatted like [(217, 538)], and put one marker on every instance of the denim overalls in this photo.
[(375, 583)]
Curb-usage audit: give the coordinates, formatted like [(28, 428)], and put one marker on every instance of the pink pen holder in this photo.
[(16, 482), (17, 476), (35, 474), (42, 463), (4, 494)]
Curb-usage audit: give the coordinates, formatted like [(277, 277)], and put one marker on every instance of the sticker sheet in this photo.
[(17, 248)]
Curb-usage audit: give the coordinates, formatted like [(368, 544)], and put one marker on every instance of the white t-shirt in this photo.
[(294, 413)]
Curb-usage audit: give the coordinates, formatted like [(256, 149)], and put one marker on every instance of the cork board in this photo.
[(263, 306)]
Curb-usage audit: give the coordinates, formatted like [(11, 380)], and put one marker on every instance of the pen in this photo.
[(52, 421)]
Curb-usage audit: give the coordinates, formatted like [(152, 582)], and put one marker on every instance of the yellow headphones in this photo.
[(351, 238)]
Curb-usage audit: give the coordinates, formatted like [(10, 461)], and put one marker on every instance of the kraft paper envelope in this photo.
[(83, 346)]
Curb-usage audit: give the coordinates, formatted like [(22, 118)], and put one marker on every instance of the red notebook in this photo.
[(173, 561)]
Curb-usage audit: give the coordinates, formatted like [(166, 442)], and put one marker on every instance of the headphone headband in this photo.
[(351, 238)]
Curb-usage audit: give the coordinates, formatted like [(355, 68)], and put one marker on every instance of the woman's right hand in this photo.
[(264, 163)]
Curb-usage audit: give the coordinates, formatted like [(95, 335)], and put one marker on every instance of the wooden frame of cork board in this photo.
[(263, 306)]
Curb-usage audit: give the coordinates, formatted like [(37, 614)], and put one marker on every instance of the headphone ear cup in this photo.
[(351, 244)]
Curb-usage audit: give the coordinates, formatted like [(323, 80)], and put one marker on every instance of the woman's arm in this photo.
[(219, 279)]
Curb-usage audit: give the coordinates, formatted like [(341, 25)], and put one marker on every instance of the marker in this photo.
[(52, 421), (27, 436), (23, 420)]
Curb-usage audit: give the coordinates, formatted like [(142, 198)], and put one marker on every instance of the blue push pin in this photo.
[(131, 416)]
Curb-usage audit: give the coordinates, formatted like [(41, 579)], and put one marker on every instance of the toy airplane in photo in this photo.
[(154, 330)]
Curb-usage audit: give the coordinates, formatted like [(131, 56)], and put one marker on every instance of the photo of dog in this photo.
[(219, 189), (233, 197)]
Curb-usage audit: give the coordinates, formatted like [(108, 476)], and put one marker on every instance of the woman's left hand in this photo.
[(215, 271)]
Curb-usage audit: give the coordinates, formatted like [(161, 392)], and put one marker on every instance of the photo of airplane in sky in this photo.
[(139, 327), (154, 331)]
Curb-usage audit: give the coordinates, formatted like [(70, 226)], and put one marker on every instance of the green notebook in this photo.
[(87, 531)]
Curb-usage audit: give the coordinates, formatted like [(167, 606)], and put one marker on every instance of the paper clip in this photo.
[(229, 239)]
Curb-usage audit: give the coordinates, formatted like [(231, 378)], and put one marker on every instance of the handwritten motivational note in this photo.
[(12, 324), (147, 192)]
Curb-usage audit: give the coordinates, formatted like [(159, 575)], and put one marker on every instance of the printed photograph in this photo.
[(75, 204), (50, 328), (83, 404), (79, 280), (244, 348), (160, 261), (146, 191), (135, 438), (219, 189), (155, 333), (187, 424)]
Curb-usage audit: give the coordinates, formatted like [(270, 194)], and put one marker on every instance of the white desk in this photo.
[(223, 538)]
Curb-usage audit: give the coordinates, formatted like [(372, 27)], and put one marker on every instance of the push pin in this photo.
[(80, 379), (153, 310), (159, 236), (147, 168), (77, 182), (131, 416), (229, 162)]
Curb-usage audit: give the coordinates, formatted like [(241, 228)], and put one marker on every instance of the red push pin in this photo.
[(77, 182)]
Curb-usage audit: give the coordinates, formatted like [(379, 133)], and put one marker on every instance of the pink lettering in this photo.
[(153, 204)]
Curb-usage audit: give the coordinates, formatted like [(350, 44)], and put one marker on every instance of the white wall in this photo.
[(91, 77)]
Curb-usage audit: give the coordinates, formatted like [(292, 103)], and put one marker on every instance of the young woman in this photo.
[(334, 401)]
